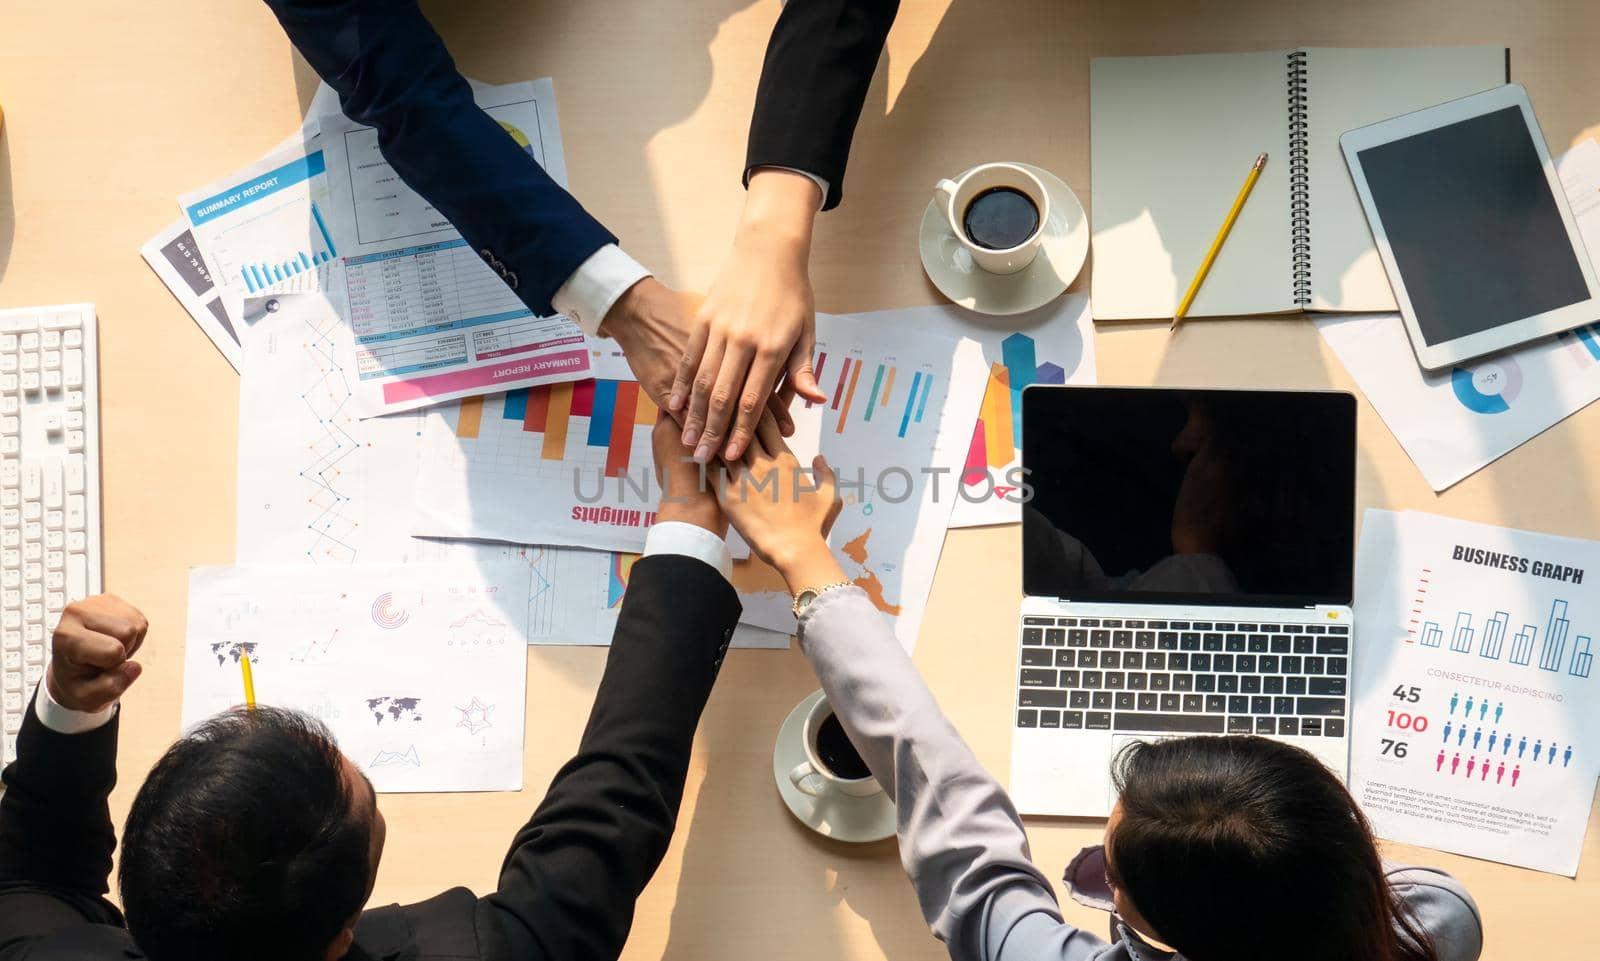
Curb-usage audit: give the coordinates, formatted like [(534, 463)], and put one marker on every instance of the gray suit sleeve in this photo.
[(961, 841), (1442, 907)]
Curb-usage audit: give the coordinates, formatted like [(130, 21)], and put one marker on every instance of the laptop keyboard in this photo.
[(1183, 677)]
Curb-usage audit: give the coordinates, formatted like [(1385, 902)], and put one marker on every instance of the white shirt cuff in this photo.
[(592, 290), (690, 540), (64, 720), (822, 183)]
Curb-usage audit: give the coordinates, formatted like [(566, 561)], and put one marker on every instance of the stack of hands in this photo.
[(782, 509), (745, 352)]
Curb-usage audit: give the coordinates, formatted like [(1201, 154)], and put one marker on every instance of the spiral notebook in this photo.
[(1172, 139)]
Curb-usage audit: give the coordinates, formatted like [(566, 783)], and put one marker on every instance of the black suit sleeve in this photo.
[(819, 65), (393, 73), (56, 837), (568, 886)]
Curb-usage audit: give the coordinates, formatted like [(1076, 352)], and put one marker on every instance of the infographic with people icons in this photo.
[(1476, 725)]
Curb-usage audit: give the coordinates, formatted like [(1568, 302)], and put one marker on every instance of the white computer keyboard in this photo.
[(49, 489)]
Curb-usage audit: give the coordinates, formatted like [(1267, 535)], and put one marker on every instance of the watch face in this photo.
[(803, 600)]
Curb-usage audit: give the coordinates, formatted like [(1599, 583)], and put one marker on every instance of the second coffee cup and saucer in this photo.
[(844, 809), (1030, 273)]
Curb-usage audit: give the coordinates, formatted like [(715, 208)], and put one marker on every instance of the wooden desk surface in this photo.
[(112, 109)]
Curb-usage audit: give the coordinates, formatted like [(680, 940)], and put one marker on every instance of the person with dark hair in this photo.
[(1219, 849), (255, 839)]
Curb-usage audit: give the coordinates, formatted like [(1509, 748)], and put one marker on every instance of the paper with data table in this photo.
[(433, 321), (1453, 423), (320, 486), (419, 670), (1051, 345), (177, 257), (1477, 712), (896, 428)]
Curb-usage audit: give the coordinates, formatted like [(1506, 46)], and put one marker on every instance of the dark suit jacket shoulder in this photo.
[(394, 74), (819, 65)]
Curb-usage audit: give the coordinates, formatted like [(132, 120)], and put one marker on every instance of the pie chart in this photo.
[(1489, 387), (517, 135)]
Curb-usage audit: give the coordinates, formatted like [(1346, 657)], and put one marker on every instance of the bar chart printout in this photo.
[(434, 318), (263, 229), (1052, 345), (1475, 728), (899, 410), (1554, 654)]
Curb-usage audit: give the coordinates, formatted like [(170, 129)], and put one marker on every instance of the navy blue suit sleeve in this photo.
[(393, 73)]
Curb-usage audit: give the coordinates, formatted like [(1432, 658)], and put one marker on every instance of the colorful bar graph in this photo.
[(872, 398), (888, 388), (1461, 640), (1582, 657), (538, 412), (605, 406), (849, 395), (1522, 645), (1018, 368), (822, 362), (911, 402), (562, 403), (646, 411), (583, 398), (844, 376), (327, 238), (1494, 634), (469, 417), (620, 445), (516, 405), (1018, 354), (1555, 637)]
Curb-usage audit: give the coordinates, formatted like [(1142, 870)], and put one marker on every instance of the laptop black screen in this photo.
[(1189, 496)]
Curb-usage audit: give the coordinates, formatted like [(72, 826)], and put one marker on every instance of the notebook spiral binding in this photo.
[(1299, 181)]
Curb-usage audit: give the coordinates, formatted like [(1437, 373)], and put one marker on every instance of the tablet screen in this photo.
[(1475, 230)]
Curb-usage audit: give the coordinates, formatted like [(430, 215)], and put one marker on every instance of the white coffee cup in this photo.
[(813, 777), (954, 196)]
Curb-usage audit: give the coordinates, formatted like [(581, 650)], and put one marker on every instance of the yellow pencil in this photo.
[(1222, 235), (249, 681)]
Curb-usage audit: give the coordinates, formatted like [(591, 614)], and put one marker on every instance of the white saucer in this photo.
[(1066, 245), (837, 816)]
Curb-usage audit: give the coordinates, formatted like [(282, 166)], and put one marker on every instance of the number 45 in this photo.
[(1409, 694), (1397, 748)]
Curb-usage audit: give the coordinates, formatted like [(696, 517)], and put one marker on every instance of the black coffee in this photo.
[(836, 752), (1000, 218)]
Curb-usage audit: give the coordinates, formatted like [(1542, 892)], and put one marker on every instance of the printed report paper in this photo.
[(419, 670), (1477, 720), (176, 258), (432, 320), (320, 486), (1051, 345), (896, 428), (264, 229)]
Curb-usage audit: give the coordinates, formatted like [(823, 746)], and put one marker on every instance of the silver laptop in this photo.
[(1187, 568)]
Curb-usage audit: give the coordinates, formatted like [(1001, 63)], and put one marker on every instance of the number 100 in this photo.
[(1406, 721)]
